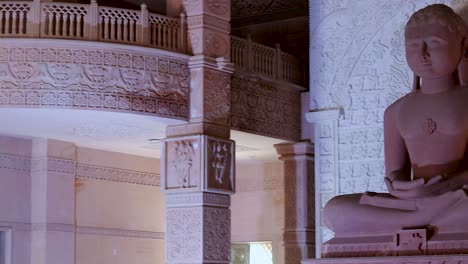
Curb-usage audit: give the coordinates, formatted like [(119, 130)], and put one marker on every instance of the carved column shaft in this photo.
[(299, 211), (198, 178), (198, 157)]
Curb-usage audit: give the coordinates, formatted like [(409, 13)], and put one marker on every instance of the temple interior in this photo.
[(192, 131)]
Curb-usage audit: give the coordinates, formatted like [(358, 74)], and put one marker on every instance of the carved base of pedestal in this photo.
[(446, 259), (414, 242), (371, 246)]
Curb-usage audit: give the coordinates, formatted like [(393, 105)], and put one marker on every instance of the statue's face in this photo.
[(432, 50)]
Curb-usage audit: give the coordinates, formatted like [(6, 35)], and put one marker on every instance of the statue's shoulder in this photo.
[(394, 108)]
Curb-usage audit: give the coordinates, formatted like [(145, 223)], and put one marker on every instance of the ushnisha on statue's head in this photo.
[(435, 43)]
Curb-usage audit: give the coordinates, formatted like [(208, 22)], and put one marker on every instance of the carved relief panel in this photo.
[(201, 163), (182, 163), (220, 164)]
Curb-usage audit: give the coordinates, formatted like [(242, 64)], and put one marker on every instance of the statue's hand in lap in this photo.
[(421, 188)]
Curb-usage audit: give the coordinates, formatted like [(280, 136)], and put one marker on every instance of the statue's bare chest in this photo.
[(423, 117)]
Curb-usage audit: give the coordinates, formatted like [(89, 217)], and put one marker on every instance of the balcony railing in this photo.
[(91, 22), (255, 58), (36, 19)]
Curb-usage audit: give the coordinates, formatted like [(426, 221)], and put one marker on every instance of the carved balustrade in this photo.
[(262, 60), (37, 19), (92, 22)]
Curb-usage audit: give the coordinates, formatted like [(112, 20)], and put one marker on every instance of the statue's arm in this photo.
[(397, 162)]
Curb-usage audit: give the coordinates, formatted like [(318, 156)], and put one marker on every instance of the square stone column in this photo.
[(299, 196), (198, 158), (198, 179)]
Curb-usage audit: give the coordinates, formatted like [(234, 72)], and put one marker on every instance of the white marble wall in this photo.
[(358, 68)]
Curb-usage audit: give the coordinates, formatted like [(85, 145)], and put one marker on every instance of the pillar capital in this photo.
[(208, 27), (294, 150)]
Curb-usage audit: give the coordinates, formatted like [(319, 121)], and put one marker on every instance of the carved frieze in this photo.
[(87, 77), (13, 162), (263, 108), (87, 171)]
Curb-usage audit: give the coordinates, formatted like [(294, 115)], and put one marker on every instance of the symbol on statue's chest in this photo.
[(430, 126)]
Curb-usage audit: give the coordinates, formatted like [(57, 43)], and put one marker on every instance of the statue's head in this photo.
[(435, 42)]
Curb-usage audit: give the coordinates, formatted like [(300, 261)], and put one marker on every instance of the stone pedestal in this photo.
[(448, 259), (299, 230), (402, 243)]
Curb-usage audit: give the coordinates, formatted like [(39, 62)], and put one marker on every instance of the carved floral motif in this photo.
[(216, 234), (218, 7), (184, 234), (216, 99), (216, 45)]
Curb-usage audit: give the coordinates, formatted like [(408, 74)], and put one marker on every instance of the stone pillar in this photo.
[(325, 125), (299, 196), (52, 202), (198, 158)]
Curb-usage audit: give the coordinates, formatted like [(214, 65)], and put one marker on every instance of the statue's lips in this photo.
[(425, 66)]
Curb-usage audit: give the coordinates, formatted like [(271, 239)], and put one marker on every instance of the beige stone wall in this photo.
[(67, 204), (258, 205), (117, 222)]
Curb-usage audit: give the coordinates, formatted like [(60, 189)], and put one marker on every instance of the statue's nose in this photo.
[(424, 54)]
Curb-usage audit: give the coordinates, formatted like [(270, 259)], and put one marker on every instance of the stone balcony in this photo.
[(66, 55)]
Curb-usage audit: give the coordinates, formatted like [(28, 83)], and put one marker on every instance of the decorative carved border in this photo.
[(100, 231), (263, 108), (86, 230), (117, 175), (447, 259), (191, 199), (13, 162), (53, 165), (71, 74)]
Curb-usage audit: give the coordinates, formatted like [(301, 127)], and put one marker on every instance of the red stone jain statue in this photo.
[(426, 138)]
